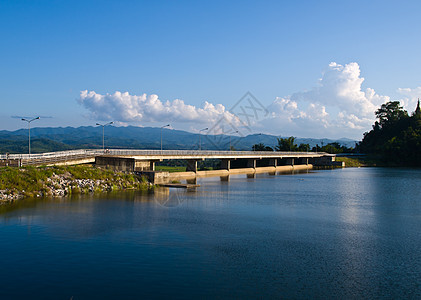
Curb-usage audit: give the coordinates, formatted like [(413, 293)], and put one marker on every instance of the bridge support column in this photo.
[(144, 165), (191, 165), (273, 162), (225, 164), (303, 160), (116, 163), (225, 178), (290, 161), (192, 180), (251, 163)]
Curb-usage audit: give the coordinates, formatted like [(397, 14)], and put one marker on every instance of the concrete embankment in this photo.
[(258, 170)]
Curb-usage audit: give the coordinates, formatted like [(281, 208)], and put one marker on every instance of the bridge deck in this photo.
[(85, 155)]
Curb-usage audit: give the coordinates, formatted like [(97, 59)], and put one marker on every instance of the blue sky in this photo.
[(208, 53)]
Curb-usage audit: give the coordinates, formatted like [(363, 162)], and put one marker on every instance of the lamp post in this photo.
[(230, 138), (200, 137), (162, 127), (29, 133), (103, 126)]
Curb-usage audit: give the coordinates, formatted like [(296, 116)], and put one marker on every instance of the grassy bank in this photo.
[(352, 162), (23, 182), (170, 169)]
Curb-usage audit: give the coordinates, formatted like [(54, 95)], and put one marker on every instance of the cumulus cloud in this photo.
[(338, 105), (341, 87), (126, 108), (411, 97)]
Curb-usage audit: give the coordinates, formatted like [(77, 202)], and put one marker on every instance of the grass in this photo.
[(170, 169), (355, 162), (28, 179), (31, 180)]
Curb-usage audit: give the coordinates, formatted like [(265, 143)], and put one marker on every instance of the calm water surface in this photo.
[(351, 233)]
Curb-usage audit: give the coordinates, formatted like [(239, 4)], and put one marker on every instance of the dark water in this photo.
[(351, 233)]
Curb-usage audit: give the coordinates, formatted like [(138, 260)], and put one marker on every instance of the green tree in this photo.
[(304, 148), (333, 148), (390, 112), (396, 138), (261, 147), (286, 144)]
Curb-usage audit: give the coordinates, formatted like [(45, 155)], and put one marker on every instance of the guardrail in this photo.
[(128, 152), (52, 154)]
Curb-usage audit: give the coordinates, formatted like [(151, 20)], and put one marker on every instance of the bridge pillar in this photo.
[(116, 163), (191, 165), (225, 178), (303, 160), (192, 180), (145, 165), (273, 162), (225, 164), (290, 161), (251, 163)]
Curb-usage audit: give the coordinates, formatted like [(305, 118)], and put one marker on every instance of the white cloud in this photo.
[(125, 108), (341, 87), (412, 96), (337, 107)]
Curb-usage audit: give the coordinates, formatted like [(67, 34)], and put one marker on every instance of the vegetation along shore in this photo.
[(59, 181)]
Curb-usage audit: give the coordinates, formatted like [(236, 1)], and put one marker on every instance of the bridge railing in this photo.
[(84, 153), (127, 152), (56, 154)]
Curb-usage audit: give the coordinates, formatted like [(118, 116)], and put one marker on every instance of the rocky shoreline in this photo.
[(61, 185)]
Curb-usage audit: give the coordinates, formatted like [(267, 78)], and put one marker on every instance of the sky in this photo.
[(314, 69)]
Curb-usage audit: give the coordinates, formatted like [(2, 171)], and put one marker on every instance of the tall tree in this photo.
[(261, 147), (286, 144), (304, 147), (396, 138), (390, 112)]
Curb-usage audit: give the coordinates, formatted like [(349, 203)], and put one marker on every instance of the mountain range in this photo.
[(47, 139)]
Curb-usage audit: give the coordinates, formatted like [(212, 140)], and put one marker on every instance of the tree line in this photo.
[(395, 138), (288, 144)]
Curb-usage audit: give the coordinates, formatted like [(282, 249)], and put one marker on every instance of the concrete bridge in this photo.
[(143, 160)]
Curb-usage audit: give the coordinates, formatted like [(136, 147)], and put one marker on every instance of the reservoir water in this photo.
[(347, 233)]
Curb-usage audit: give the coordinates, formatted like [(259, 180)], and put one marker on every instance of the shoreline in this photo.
[(41, 182)]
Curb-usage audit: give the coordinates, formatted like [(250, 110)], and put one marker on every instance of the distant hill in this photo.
[(44, 139)]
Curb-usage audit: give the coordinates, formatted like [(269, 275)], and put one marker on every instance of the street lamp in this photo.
[(168, 125), (29, 132), (200, 137), (230, 138), (103, 126)]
